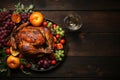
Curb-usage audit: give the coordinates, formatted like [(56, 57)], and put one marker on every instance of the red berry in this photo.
[(45, 23), (20, 55), (54, 26), (53, 62), (8, 51), (59, 46), (62, 41), (21, 67), (55, 45), (28, 65), (57, 36)]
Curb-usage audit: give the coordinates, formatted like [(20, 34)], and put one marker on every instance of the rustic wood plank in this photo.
[(93, 21), (65, 4), (80, 67), (93, 44), (54, 79)]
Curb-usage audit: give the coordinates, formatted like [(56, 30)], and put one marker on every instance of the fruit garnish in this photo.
[(59, 46), (13, 52), (28, 65), (53, 62), (36, 18), (13, 62), (8, 51), (59, 54), (62, 41), (16, 17), (45, 23), (20, 55)]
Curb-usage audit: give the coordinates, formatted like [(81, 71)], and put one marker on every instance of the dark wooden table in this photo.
[(93, 50)]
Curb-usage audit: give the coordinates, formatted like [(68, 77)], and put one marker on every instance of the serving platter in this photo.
[(35, 66), (11, 21)]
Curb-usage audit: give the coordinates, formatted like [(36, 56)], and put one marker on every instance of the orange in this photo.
[(16, 17), (13, 62), (36, 18)]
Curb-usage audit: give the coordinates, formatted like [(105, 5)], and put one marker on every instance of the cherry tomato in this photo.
[(45, 23), (8, 51), (21, 67), (59, 46), (62, 41), (57, 36), (55, 45), (20, 55), (53, 62), (54, 26), (28, 65)]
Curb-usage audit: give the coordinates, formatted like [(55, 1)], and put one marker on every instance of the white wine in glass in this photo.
[(73, 22)]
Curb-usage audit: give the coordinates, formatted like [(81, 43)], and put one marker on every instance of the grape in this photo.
[(44, 63), (59, 54), (0, 44), (25, 17), (49, 24), (49, 61), (6, 26)]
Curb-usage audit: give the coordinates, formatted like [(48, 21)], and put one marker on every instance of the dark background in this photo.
[(93, 51)]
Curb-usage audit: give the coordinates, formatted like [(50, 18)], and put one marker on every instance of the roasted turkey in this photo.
[(32, 40)]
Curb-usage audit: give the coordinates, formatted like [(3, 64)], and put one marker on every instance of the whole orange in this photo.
[(36, 18), (13, 62)]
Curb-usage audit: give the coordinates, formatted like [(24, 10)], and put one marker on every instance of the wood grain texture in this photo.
[(65, 4), (93, 21), (93, 44), (78, 68), (93, 51)]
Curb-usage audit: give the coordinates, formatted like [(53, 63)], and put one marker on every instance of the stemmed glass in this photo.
[(73, 22)]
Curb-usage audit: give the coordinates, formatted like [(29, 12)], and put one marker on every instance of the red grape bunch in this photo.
[(6, 26), (25, 17)]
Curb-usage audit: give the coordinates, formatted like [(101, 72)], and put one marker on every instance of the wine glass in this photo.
[(73, 22)]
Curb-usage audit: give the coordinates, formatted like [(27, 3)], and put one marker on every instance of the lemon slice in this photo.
[(13, 52)]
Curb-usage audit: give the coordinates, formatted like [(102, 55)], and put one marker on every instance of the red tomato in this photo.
[(55, 45), (8, 51), (62, 41), (20, 55), (57, 36), (54, 25), (59, 46), (53, 62), (21, 67), (28, 65), (45, 23)]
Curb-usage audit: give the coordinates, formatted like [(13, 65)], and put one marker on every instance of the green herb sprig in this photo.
[(20, 8), (3, 10), (3, 65)]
